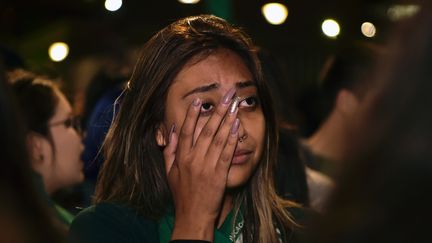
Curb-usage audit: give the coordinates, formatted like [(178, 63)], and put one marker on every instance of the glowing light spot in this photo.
[(399, 12), (275, 13), (58, 51), (113, 5), (368, 29), (189, 1), (330, 28)]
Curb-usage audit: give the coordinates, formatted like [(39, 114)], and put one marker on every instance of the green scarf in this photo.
[(225, 234)]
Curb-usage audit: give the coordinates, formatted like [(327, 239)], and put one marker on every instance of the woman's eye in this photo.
[(249, 102), (206, 108)]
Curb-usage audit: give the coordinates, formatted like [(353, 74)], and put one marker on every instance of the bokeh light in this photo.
[(113, 5), (58, 51), (275, 13), (330, 28), (368, 29), (189, 1), (399, 12)]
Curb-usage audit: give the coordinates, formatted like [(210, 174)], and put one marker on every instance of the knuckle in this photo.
[(185, 132), (218, 141), (225, 158), (207, 132), (232, 141)]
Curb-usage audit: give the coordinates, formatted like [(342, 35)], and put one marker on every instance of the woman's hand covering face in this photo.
[(197, 172)]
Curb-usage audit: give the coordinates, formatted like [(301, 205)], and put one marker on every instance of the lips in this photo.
[(241, 156)]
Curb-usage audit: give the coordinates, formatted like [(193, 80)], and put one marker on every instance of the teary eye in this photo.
[(206, 108), (249, 102)]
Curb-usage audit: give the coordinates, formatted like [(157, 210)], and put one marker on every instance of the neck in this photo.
[(49, 188), (227, 205), (329, 139)]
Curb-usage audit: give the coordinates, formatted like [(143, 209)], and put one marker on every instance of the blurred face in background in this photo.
[(61, 165)]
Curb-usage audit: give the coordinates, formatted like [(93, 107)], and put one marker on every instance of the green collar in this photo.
[(227, 233)]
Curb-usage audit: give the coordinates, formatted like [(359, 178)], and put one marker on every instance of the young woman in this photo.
[(23, 215), (54, 142), (191, 153)]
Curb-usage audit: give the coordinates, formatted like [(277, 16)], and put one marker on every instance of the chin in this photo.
[(238, 177), (80, 178)]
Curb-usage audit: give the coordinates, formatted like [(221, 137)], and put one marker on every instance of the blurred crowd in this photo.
[(358, 162)]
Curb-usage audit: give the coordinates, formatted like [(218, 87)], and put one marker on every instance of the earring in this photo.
[(242, 138)]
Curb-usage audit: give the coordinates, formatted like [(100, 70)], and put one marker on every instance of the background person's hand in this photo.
[(197, 171)]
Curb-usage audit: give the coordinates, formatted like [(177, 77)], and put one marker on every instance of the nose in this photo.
[(242, 134)]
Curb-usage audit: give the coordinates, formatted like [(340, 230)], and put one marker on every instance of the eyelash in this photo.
[(247, 103)]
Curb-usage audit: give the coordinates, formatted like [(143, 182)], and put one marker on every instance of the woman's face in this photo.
[(66, 167), (210, 79)]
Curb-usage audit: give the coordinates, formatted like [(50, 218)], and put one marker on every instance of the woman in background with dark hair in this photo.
[(53, 139), (385, 193), (23, 217)]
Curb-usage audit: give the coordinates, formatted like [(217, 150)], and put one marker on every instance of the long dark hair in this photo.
[(37, 100), (134, 173), (21, 208)]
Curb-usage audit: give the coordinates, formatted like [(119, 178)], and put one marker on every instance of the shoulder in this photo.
[(303, 217), (109, 222)]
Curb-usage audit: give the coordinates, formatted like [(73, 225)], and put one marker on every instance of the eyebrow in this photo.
[(213, 86)]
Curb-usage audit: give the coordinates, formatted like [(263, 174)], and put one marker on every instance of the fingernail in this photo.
[(234, 105), (235, 126), (196, 102), (171, 132), (228, 96)]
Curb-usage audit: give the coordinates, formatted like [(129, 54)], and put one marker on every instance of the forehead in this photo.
[(63, 108), (223, 67)]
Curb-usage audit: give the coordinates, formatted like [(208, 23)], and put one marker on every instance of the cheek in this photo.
[(68, 146), (254, 124)]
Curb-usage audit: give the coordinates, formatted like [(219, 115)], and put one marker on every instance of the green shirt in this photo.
[(108, 222)]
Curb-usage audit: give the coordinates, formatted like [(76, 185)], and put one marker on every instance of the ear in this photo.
[(40, 151), (160, 136), (347, 102)]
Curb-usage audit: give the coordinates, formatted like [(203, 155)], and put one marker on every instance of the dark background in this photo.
[(96, 35)]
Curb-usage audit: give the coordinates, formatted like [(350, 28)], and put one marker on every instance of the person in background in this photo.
[(98, 115), (345, 80), (384, 193), (53, 138), (24, 218), (290, 175), (295, 180), (190, 154)]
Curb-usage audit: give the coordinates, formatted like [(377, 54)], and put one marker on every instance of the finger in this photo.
[(219, 141), (227, 154), (185, 139), (170, 150), (212, 125)]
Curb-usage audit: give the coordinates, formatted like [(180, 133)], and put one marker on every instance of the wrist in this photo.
[(193, 228)]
